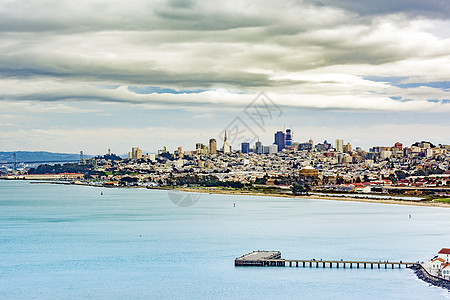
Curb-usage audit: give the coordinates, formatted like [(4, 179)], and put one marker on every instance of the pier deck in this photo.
[(257, 258), (273, 258)]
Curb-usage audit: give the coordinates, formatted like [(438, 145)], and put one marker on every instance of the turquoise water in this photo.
[(70, 242)]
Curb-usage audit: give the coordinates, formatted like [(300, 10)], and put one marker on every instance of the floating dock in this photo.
[(273, 258)]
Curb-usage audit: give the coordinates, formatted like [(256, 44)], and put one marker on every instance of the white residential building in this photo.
[(439, 265)]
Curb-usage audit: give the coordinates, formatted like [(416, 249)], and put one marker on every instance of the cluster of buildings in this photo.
[(283, 141), (439, 265), (421, 168)]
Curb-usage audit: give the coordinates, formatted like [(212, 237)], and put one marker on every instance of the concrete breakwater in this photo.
[(431, 279)]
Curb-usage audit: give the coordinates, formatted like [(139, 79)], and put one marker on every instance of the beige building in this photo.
[(201, 149), (179, 152), (135, 153), (347, 159), (339, 146), (212, 146), (348, 148), (309, 171)]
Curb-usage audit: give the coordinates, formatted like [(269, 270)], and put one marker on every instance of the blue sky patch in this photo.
[(393, 80), (397, 81), (445, 85), (162, 90)]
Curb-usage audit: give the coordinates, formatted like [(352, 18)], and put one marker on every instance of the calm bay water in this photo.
[(59, 242)]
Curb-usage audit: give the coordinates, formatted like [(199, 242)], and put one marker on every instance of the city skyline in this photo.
[(279, 144), (219, 141), (111, 75)]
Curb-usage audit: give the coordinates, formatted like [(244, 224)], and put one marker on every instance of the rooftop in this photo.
[(444, 251)]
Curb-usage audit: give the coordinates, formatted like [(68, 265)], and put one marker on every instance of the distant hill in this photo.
[(39, 156)]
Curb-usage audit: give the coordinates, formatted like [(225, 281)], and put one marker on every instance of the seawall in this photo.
[(431, 279)]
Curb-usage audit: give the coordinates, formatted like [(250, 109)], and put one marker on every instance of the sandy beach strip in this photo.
[(256, 193), (331, 198)]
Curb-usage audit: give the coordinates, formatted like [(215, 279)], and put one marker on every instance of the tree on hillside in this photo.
[(129, 180), (392, 178), (300, 189), (400, 175)]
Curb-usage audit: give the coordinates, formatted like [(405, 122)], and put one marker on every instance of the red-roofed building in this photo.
[(387, 181), (444, 254), (446, 271), (438, 260), (439, 265), (404, 182), (434, 266), (399, 146)]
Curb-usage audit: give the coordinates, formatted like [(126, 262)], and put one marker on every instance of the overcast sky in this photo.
[(92, 75)]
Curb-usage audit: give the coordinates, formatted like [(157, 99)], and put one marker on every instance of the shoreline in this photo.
[(315, 197), (256, 193)]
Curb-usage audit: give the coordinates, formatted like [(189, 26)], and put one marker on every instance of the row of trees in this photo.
[(208, 181), (57, 168)]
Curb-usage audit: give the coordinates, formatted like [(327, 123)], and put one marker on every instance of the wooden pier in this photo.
[(273, 258)]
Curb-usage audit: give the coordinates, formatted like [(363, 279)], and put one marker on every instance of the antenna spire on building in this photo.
[(226, 145)]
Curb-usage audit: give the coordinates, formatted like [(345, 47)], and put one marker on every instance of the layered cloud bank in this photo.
[(304, 53), (66, 64)]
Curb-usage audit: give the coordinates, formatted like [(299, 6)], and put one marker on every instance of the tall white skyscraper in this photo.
[(226, 145)]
